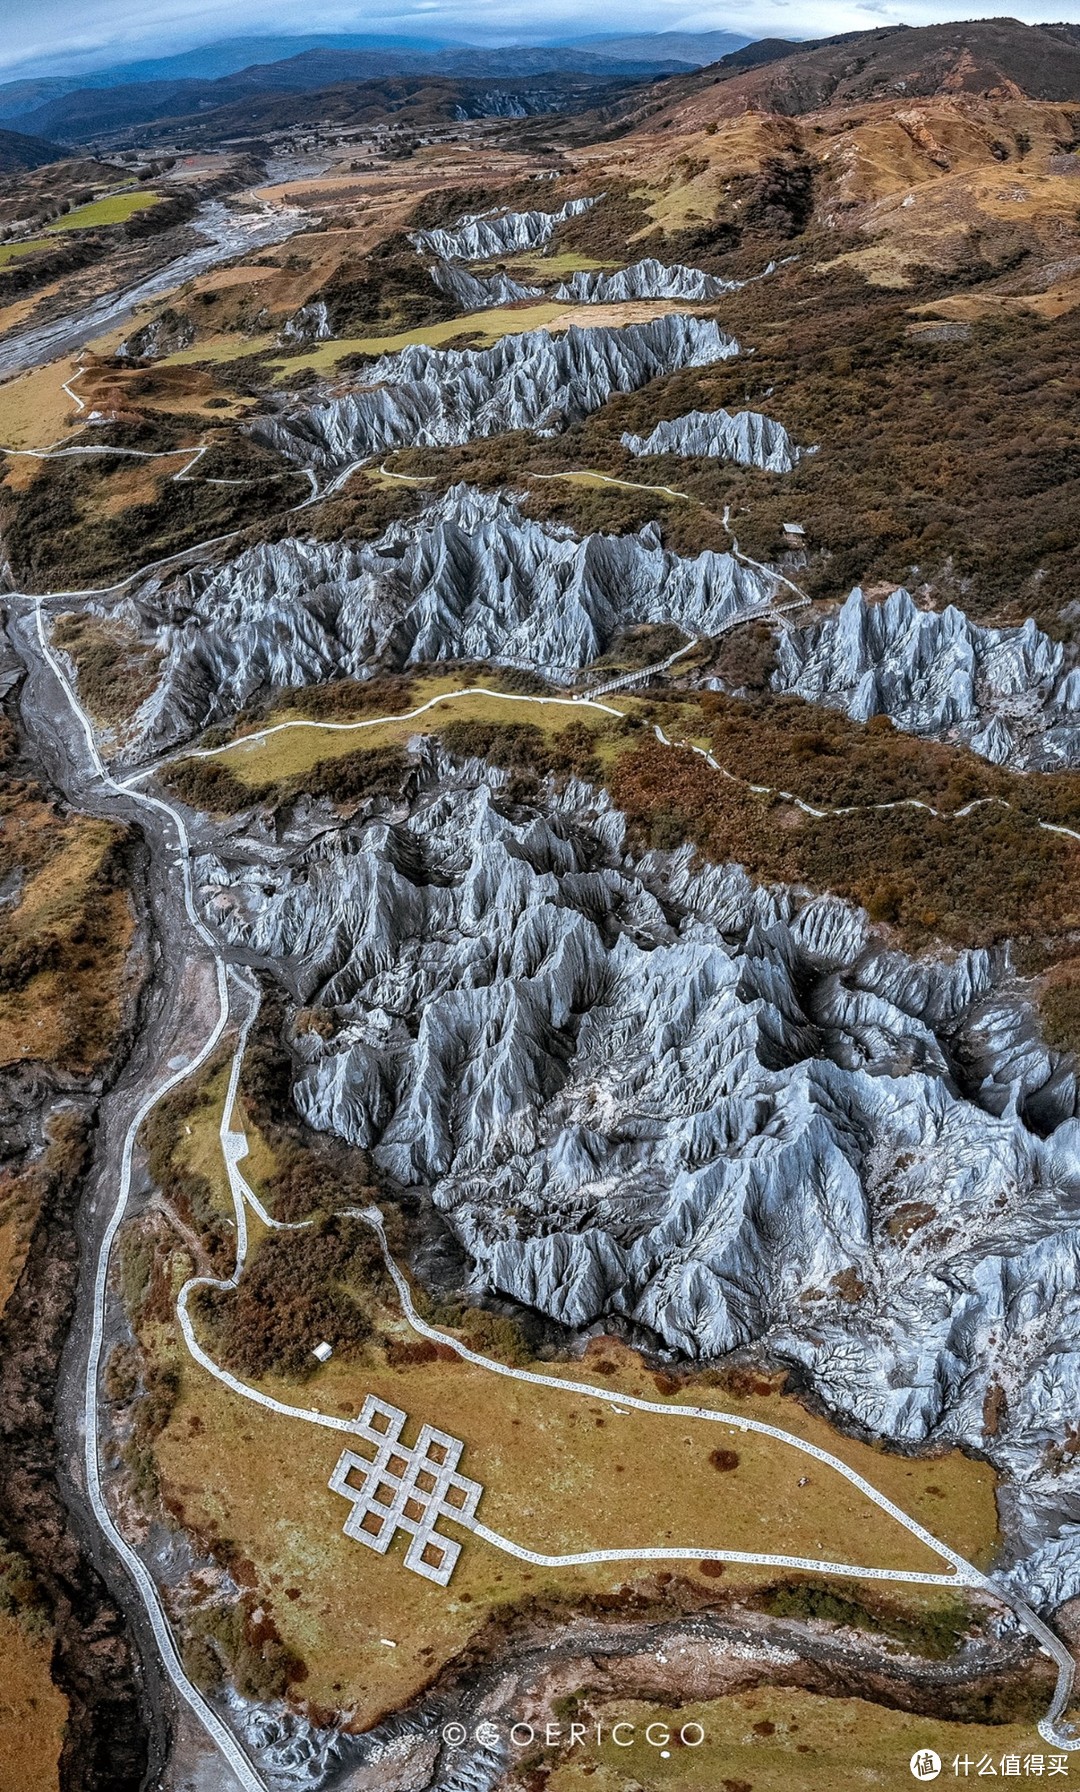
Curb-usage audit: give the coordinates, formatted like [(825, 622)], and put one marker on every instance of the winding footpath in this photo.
[(234, 1149), (592, 700), (218, 1732)]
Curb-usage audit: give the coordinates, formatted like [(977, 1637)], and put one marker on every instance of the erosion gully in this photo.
[(184, 1012)]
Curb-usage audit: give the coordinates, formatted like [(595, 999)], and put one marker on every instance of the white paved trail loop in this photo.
[(234, 1148)]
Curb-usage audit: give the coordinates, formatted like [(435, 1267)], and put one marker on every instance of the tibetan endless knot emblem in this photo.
[(397, 1487)]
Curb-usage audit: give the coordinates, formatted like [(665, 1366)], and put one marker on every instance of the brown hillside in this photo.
[(989, 58), (993, 58)]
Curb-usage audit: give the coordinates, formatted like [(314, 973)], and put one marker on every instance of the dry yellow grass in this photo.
[(18, 472), (137, 484), (490, 326), (914, 177), (297, 749), (499, 321), (222, 279), (11, 316), (13, 1247), (35, 411), (67, 1013), (923, 216), (222, 346), (778, 1739), (199, 1148), (562, 1473), (548, 267), (32, 1712)]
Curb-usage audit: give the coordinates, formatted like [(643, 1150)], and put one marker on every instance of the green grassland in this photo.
[(550, 267), (97, 214), (10, 252), (302, 745), (114, 208), (325, 356)]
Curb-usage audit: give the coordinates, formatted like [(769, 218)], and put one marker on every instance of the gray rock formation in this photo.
[(745, 436), (477, 292), (1002, 691), (163, 335), (495, 102), (472, 579), (479, 236), (723, 1113), (647, 279), (443, 397), (310, 324)]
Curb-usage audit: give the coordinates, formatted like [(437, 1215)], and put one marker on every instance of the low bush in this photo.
[(297, 1291), (936, 1633)]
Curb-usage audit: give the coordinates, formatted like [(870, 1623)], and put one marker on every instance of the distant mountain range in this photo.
[(611, 80), (694, 48), (78, 107), (81, 114)]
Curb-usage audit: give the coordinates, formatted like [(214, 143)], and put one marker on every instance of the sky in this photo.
[(68, 36)]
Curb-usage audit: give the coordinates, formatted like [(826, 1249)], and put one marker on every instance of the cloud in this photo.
[(71, 36)]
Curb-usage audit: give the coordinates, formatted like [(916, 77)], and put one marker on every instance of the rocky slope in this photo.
[(746, 437), (647, 279), (443, 397), (476, 292), (472, 579), (1003, 691), (727, 1115), (310, 324), (479, 236)]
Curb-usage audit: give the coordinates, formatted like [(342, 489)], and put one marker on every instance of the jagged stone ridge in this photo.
[(477, 292), (163, 335), (1004, 692), (444, 397), (747, 437), (310, 324), (648, 279), (472, 579), (497, 103), (479, 236), (725, 1114)]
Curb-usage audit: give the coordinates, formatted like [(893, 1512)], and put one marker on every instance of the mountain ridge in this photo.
[(85, 111)]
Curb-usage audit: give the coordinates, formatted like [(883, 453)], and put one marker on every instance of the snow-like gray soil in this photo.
[(1004, 692), (443, 397), (648, 279), (472, 578), (747, 437), (479, 236), (478, 292), (728, 1115)]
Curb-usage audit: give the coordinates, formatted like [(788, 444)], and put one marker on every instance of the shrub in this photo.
[(296, 1292)]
